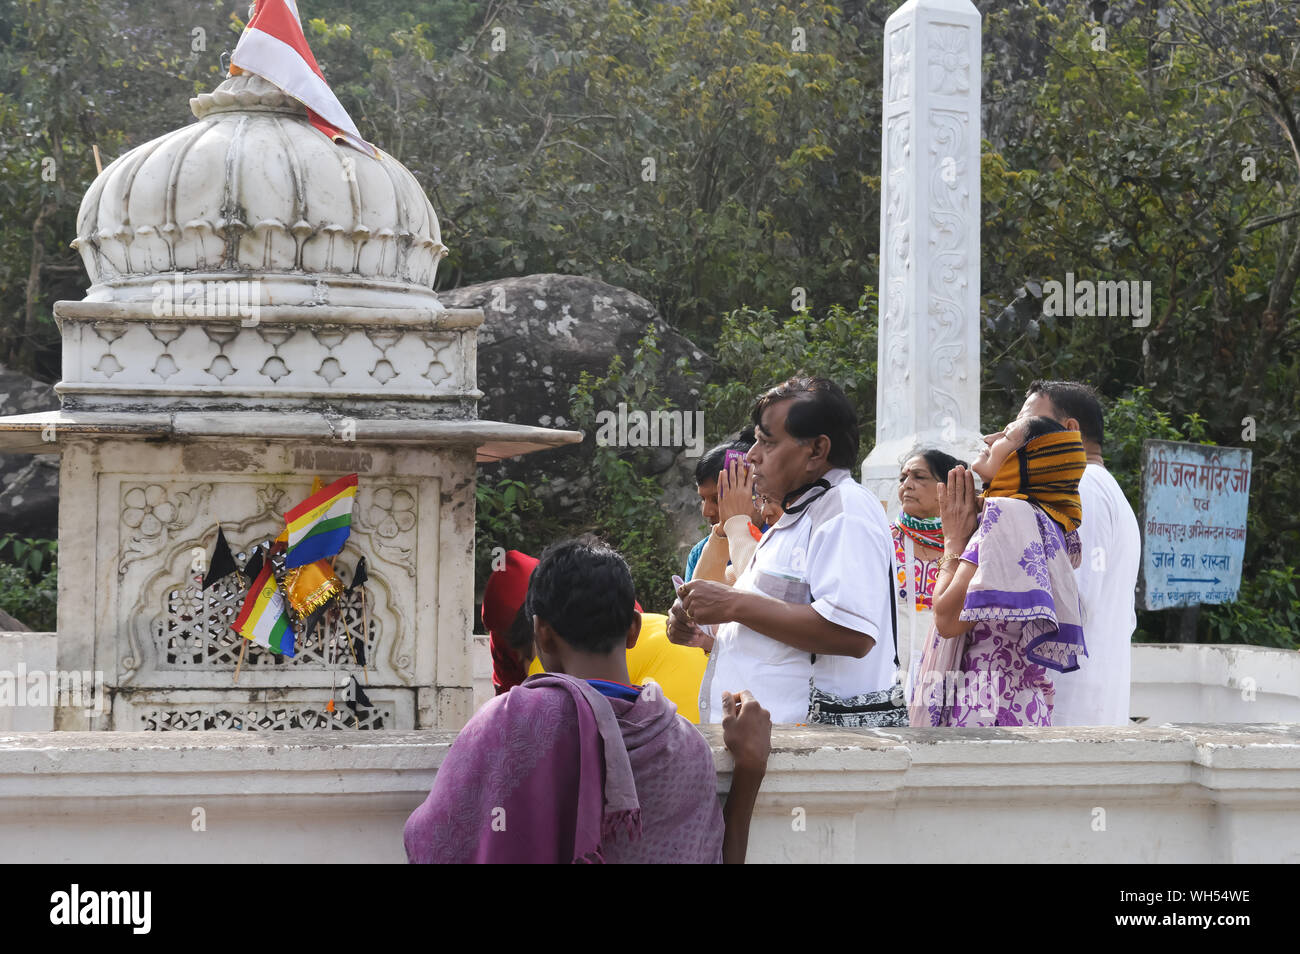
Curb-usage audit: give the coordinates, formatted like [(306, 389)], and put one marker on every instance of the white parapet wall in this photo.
[(1184, 682), (21, 656), (1144, 794), (1172, 682)]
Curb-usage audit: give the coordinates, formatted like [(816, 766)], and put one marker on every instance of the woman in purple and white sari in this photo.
[(1006, 605)]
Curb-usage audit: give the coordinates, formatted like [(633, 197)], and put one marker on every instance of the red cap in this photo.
[(504, 594), (505, 591)]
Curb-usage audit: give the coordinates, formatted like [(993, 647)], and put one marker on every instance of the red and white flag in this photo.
[(273, 47)]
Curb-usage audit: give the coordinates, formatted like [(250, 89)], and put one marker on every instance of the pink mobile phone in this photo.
[(733, 455)]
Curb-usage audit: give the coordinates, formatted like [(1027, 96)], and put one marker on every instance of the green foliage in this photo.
[(758, 348), (1164, 158), (75, 74), (1129, 422), (532, 127), (685, 151), (626, 509), (34, 556), (29, 579), (1266, 613), (508, 516)]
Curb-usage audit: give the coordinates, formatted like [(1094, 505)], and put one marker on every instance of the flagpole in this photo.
[(347, 628), (240, 665), (329, 709), (325, 616), (365, 629)]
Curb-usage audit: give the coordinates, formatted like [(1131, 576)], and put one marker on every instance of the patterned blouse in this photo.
[(925, 573)]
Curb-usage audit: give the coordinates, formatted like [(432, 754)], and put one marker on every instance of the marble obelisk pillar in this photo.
[(928, 387)]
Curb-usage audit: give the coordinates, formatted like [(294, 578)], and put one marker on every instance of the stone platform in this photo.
[(1172, 793)]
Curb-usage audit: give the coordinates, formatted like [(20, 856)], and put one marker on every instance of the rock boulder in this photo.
[(540, 333)]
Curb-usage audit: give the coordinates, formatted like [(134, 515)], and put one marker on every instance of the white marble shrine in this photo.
[(261, 312)]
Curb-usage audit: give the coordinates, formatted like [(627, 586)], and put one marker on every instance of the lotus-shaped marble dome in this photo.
[(253, 190)]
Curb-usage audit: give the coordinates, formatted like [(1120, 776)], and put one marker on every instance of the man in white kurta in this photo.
[(834, 555), (1097, 693), (814, 604)]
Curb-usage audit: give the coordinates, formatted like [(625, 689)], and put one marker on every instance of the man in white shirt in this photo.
[(815, 601), (1097, 693)]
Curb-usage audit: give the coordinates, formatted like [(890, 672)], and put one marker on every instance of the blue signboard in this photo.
[(1194, 500)]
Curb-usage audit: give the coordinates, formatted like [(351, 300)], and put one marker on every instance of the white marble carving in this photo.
[(899, 70), (152, 513), (173, 625), (304, 206), (949, 60), (168, 360), (928, 386)]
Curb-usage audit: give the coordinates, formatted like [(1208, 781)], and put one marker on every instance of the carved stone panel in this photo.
[(173, 356), (178, 634), (265, 711)]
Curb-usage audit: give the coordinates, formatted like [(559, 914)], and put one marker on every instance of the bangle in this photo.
[(944, 559)]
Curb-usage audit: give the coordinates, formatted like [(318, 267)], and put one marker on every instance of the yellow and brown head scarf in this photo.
[(1045, 471)]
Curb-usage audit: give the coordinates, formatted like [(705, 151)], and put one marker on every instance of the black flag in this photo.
[(354, 697), (222, 563), (254, 565), (359, 650), (309, 624), (359, 575)]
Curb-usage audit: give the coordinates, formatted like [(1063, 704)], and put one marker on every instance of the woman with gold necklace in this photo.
[(918, 545)]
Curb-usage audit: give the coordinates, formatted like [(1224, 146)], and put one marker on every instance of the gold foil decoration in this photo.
[(312, 586)]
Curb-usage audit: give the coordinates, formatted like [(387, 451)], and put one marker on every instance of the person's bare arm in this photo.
[(735, 506), (959, 511), (796, 624), (747, 734), (950, 597)]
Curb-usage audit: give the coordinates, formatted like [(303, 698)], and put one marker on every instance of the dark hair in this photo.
[(583, 589), (1077, 400), (938, 462), (520, 636), (817, 406), (710, 465), (1038, 426)]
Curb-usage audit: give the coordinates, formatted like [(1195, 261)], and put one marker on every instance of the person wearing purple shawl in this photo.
[(1006, 604), (574, 764)]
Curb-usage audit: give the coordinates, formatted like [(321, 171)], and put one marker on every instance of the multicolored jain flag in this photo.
[(319, 526), (265, 619)]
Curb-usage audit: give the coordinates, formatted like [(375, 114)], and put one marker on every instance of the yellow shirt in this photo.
[(678, 670)]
